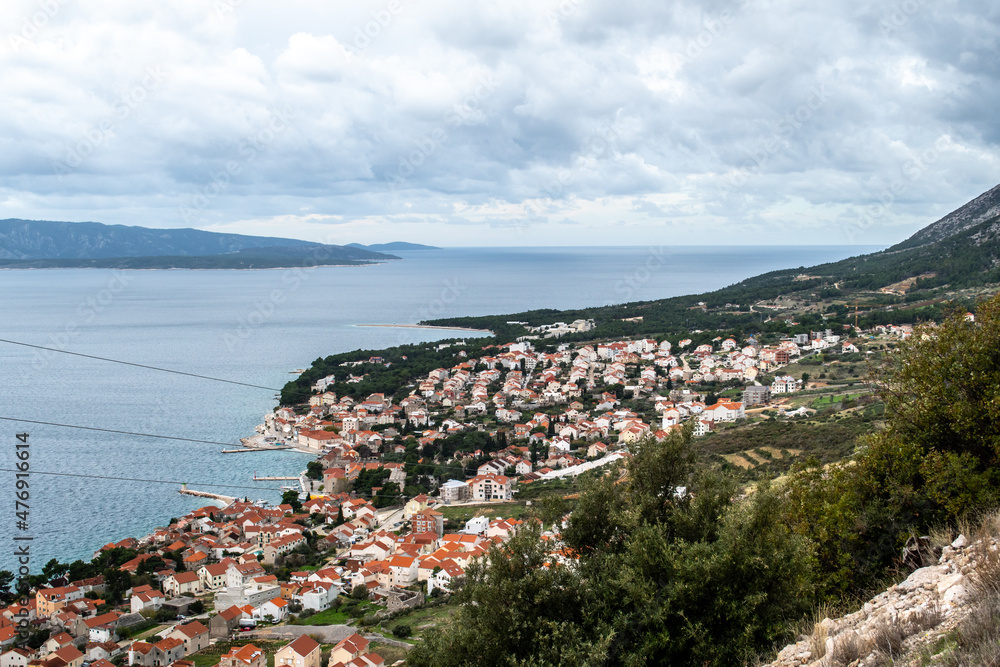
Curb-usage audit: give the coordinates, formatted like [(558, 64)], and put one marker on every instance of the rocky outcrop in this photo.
[(977, 211), (903, 622)]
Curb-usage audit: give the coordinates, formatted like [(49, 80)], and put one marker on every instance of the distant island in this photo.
[(392, 247), (36, 244)]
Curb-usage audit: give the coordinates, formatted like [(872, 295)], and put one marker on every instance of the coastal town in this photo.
[(371, 535)]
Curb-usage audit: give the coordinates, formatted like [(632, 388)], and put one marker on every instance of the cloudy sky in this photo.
[(517, 122)]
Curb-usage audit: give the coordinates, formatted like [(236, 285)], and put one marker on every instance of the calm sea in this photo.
[(254, 327)]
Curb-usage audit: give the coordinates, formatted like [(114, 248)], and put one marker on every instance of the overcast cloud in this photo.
[(522, 122)]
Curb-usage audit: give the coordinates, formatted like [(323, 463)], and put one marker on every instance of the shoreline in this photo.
[(425, 326)]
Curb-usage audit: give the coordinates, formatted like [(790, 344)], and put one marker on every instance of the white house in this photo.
[(148, 600), (182, 583), (725, 412), (446, 577), (403, 570), (702, 427), (491, 487), (476, 525), (784, 384), (317, 596), (276, 609)]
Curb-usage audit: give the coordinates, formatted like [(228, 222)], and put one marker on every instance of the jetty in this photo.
[(273, 479), (229, 500), (262, 448)]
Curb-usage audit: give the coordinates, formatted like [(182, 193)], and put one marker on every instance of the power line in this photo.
[(169, 481), (134, 479), (109, 430), (129, 363), (172, 482), (167, 437)]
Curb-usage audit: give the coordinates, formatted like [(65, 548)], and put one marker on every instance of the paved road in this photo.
[(390, 517)]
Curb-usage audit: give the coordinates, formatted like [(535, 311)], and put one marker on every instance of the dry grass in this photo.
[(751, 458), (777, 453), (978, 637), (925, 619), (817, 641), (941, 536), (739, 461), (847, 647), (887, 641)]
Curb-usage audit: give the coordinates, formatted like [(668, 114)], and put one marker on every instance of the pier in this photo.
[(262, 448), (274, 479), (229, 500)]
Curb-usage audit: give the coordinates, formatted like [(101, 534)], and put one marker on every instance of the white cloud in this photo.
[(506, 121)]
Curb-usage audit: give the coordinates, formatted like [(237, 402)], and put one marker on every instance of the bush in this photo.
[(402, 631), (136, 629), (165, 614)]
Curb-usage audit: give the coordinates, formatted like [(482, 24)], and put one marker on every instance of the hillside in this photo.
[(984, 207), (43, 239), (47, 244), (955, 259)]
